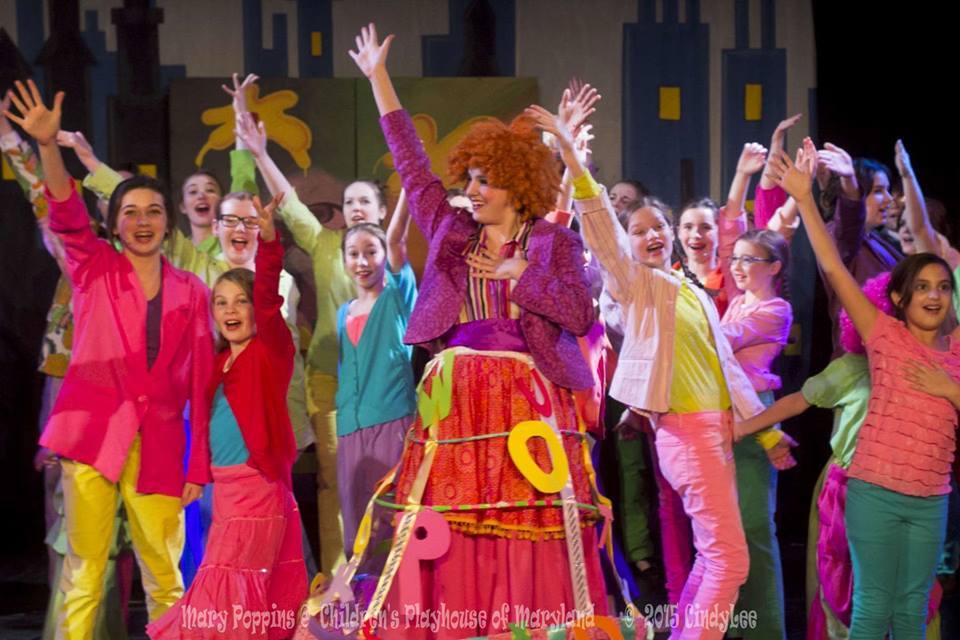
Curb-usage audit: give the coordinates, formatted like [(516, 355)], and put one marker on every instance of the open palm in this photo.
[(370, 54), (37, 121)]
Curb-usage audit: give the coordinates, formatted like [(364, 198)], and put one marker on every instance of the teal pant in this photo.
[(761, 596), (895, 543)]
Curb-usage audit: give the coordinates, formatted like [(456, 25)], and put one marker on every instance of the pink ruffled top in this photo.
[(908, 438)]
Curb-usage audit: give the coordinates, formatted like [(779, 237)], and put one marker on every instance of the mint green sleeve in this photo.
[(306, 229), (243, 172), (829, 388), (102, 182)]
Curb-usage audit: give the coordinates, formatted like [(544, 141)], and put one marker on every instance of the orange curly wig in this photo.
[(513, 158)]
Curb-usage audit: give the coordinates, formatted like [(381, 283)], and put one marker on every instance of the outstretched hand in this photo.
[(268, 229), (81, 146), (371, 55), (752, 158), (576, 107), (902, 159), (251, 133), (239, 91), (795, 178), (836, 160), (553, 124), (39, 122)]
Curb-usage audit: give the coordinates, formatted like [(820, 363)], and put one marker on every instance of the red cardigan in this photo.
[(256, 384)]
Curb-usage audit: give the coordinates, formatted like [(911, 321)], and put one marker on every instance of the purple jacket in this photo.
[(553, 293)]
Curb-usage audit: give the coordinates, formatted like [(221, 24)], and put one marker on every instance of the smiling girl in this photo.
[(142, 349), (503, 294), (757, 325), (899, 476), (253, 559), (676, 368), (376, 399)]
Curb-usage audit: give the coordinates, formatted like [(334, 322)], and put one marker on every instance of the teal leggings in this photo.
[(895, 542)]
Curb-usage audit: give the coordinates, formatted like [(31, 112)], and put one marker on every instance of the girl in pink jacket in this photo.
[(142, 348)]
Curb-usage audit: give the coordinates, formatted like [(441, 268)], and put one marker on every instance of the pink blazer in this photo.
[(108, 394)]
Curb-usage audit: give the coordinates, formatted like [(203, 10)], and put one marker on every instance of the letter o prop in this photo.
[(551, 482)]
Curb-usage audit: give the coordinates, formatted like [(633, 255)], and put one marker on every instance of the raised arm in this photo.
[(796, 180), (243, 175), (777, 141), (850, 214), (915, 207), (603, 233), (42, 125), (768, 197), (426, 195), (267, 301), (785, 220), (371, 58), (303, 225), (752, 159), (397, 234)]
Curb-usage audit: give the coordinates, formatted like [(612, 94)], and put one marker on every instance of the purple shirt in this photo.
[(553, 293)]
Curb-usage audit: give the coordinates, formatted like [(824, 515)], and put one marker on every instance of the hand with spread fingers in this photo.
[(371, 55), (39, 122), (252, 134), (265, 216), (239, 91)]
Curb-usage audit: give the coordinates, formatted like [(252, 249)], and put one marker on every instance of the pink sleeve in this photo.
[(765, 203), (769, 323), (71, 225), (729, 229), (198, 467)]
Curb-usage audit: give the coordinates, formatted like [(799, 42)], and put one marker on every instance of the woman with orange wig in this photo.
[(503, 526)]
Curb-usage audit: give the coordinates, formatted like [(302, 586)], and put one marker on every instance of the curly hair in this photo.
[(514, 159), (876, 291)]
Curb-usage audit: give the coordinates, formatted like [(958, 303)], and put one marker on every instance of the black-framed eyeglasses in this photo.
[(749, 260), (250, 222)]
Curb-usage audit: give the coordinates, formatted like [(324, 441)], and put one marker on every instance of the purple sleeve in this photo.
[(765, 204), (849, 227), (558, 291), (426, 195)]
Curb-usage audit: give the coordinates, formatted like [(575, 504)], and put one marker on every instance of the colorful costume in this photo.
[(253, 562), (334, 287), (509, 357), (376, 397), (667, 316), (117, 421), (898, 484)]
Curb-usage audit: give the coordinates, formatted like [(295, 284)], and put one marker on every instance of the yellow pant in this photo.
[(321, 404), (156, 529)]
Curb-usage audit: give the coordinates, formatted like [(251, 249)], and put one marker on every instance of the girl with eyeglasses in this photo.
[(756, 323)]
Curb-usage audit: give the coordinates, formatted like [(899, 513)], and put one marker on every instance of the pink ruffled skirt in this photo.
[(253, 578)]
